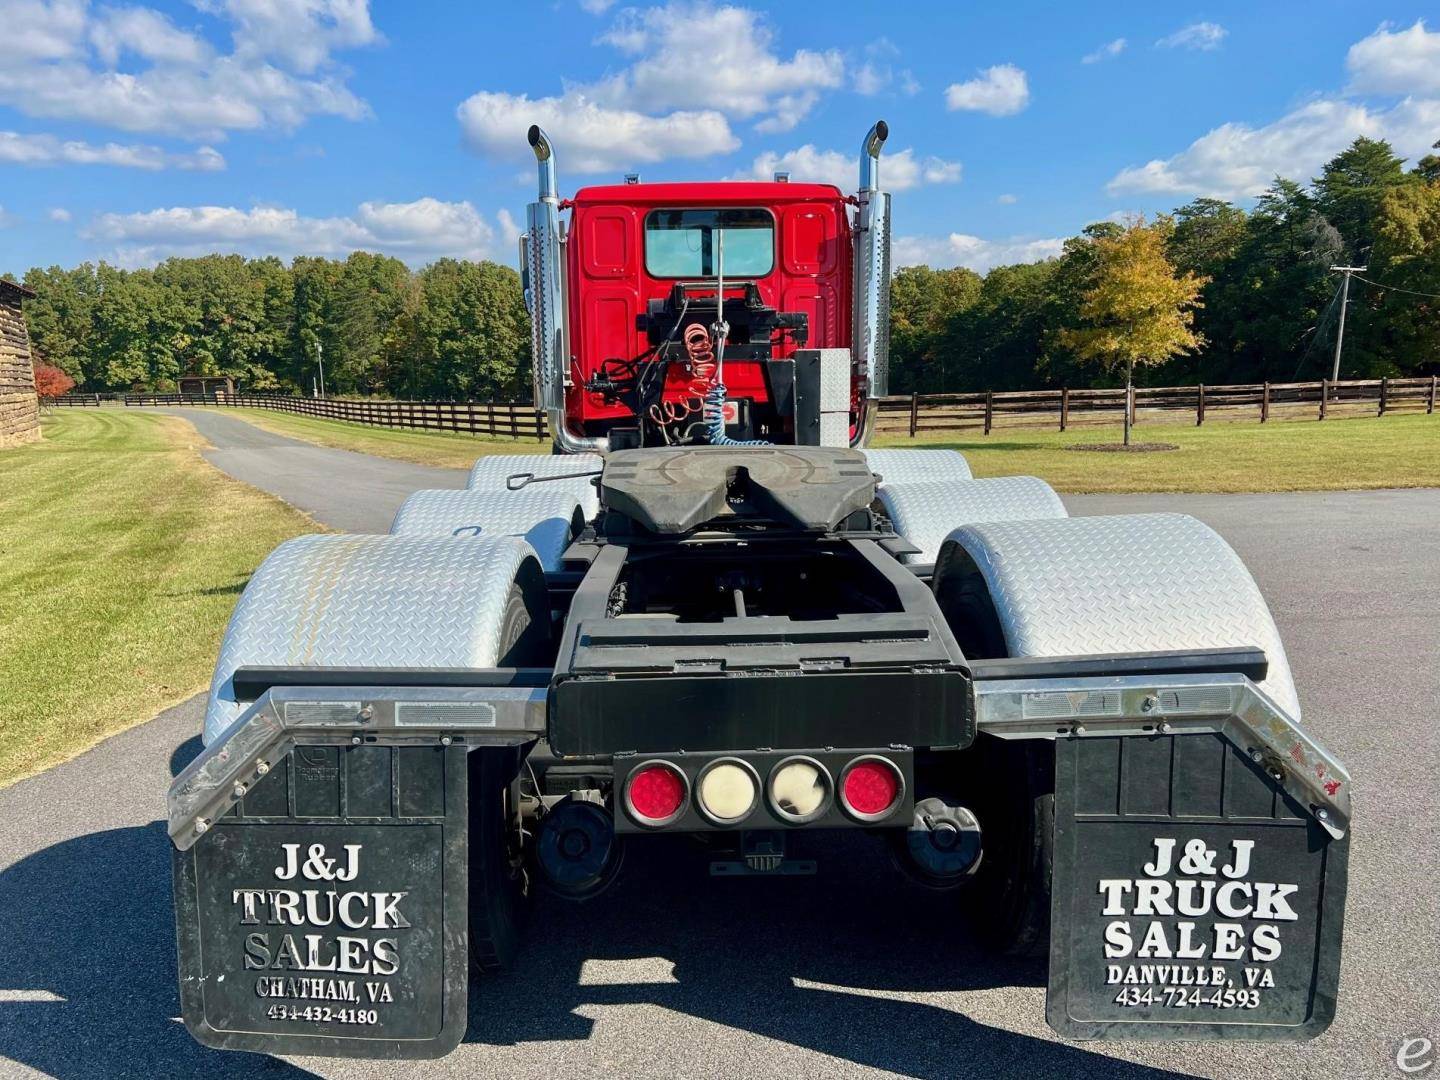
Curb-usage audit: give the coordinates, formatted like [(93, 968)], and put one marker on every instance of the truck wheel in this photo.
[(1076, 587), (1013, 798), (500, 890)]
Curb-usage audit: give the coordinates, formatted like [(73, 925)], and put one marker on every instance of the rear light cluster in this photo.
[(799, 789)]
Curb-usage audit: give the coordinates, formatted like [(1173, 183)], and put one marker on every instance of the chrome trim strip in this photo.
[(266, 732), (1228, 705)]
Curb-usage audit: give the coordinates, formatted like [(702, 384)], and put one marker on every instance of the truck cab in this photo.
[(686, 314)]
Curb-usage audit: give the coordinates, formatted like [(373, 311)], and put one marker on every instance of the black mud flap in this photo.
[(1192, 898), (326, 913)]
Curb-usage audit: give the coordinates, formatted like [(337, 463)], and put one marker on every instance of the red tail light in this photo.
[(871, 788), (656, 793)]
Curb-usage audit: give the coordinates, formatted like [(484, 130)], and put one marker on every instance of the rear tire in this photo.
[(1010, 786), (1013, 786), (500, 888)]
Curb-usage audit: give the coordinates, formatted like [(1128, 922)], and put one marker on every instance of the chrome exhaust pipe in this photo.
[(870, 329), (544, 261)]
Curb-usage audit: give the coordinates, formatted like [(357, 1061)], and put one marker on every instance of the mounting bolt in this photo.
[(1164, 727), (240, 789), (1321, 814), (367, 714), (444, 740), (356, 739), (1257, 755), (1150, 702), (201, 826), (1079, 729), (261, 768)]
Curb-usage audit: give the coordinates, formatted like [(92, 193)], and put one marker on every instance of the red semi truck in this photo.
[(716, 611)]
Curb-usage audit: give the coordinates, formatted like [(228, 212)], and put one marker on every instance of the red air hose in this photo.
[(700, 359)]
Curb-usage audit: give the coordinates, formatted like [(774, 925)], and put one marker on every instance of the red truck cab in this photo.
[(708, 313), (630, 245)]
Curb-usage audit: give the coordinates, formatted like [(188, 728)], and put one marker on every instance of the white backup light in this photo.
[(727, 791), (799, 789)]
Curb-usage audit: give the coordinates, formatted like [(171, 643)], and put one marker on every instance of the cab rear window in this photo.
[(682, 243)]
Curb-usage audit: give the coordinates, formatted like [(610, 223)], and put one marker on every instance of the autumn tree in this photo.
[(51, 382), (1138, 310)]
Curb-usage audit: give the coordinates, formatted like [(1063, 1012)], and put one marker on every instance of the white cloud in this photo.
[(1007, 199), (59, 213), (45, 149), (65, 61), (418, 232), (591, 137), (961, 249), (1396, 62), (1108, 51), (877, 74), (870, 78), (300, 34), (1002, 90), (1236, 161), (702, 56), (145, 33), (1200, 36), (694, 68), (596, 7), (40, 30), (899, 171), (6, 218)]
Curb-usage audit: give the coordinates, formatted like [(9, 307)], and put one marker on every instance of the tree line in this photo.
[(455, 330), (1254, 290), (1266, 307)]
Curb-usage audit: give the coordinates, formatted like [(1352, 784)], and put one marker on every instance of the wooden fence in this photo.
[(904, 415), (917, 414), (518, 420)]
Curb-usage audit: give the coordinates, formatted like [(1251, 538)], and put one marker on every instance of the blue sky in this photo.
[(134, 132)]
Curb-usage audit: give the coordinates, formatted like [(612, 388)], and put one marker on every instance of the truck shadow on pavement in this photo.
[(815, 962)]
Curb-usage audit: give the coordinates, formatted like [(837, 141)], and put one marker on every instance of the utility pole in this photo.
[(1344, 303), (320, 356)]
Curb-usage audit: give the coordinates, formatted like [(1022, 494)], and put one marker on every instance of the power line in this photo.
[(1396, 288)]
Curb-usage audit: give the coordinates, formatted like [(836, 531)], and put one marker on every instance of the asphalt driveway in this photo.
[(850, 972)]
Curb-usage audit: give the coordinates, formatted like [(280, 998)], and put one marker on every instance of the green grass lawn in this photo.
[(1229, 456), (1233, 456), (438, 448), (123, 553)]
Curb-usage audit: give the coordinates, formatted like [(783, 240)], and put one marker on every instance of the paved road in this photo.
[(347, 491), (851, 972)]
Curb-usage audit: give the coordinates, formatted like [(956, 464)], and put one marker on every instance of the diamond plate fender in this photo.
[(926, 512), (372, 601), (490, 473), (1126, 583), (910, 466), (546, 520)]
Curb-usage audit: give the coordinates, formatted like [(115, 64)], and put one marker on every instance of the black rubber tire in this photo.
[(500, 890), (1012, 786)]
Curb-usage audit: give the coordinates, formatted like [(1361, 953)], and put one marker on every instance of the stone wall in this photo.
[(19, 411)]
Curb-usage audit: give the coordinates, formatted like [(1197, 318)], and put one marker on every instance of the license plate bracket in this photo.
[(325, 913), (1192, 898)]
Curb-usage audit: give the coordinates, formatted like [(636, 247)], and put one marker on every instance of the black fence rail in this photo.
[(910, 415), (916, 414), (518, 420)]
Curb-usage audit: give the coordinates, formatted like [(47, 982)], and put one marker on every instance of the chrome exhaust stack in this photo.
[(542, 255), (870, 330)]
